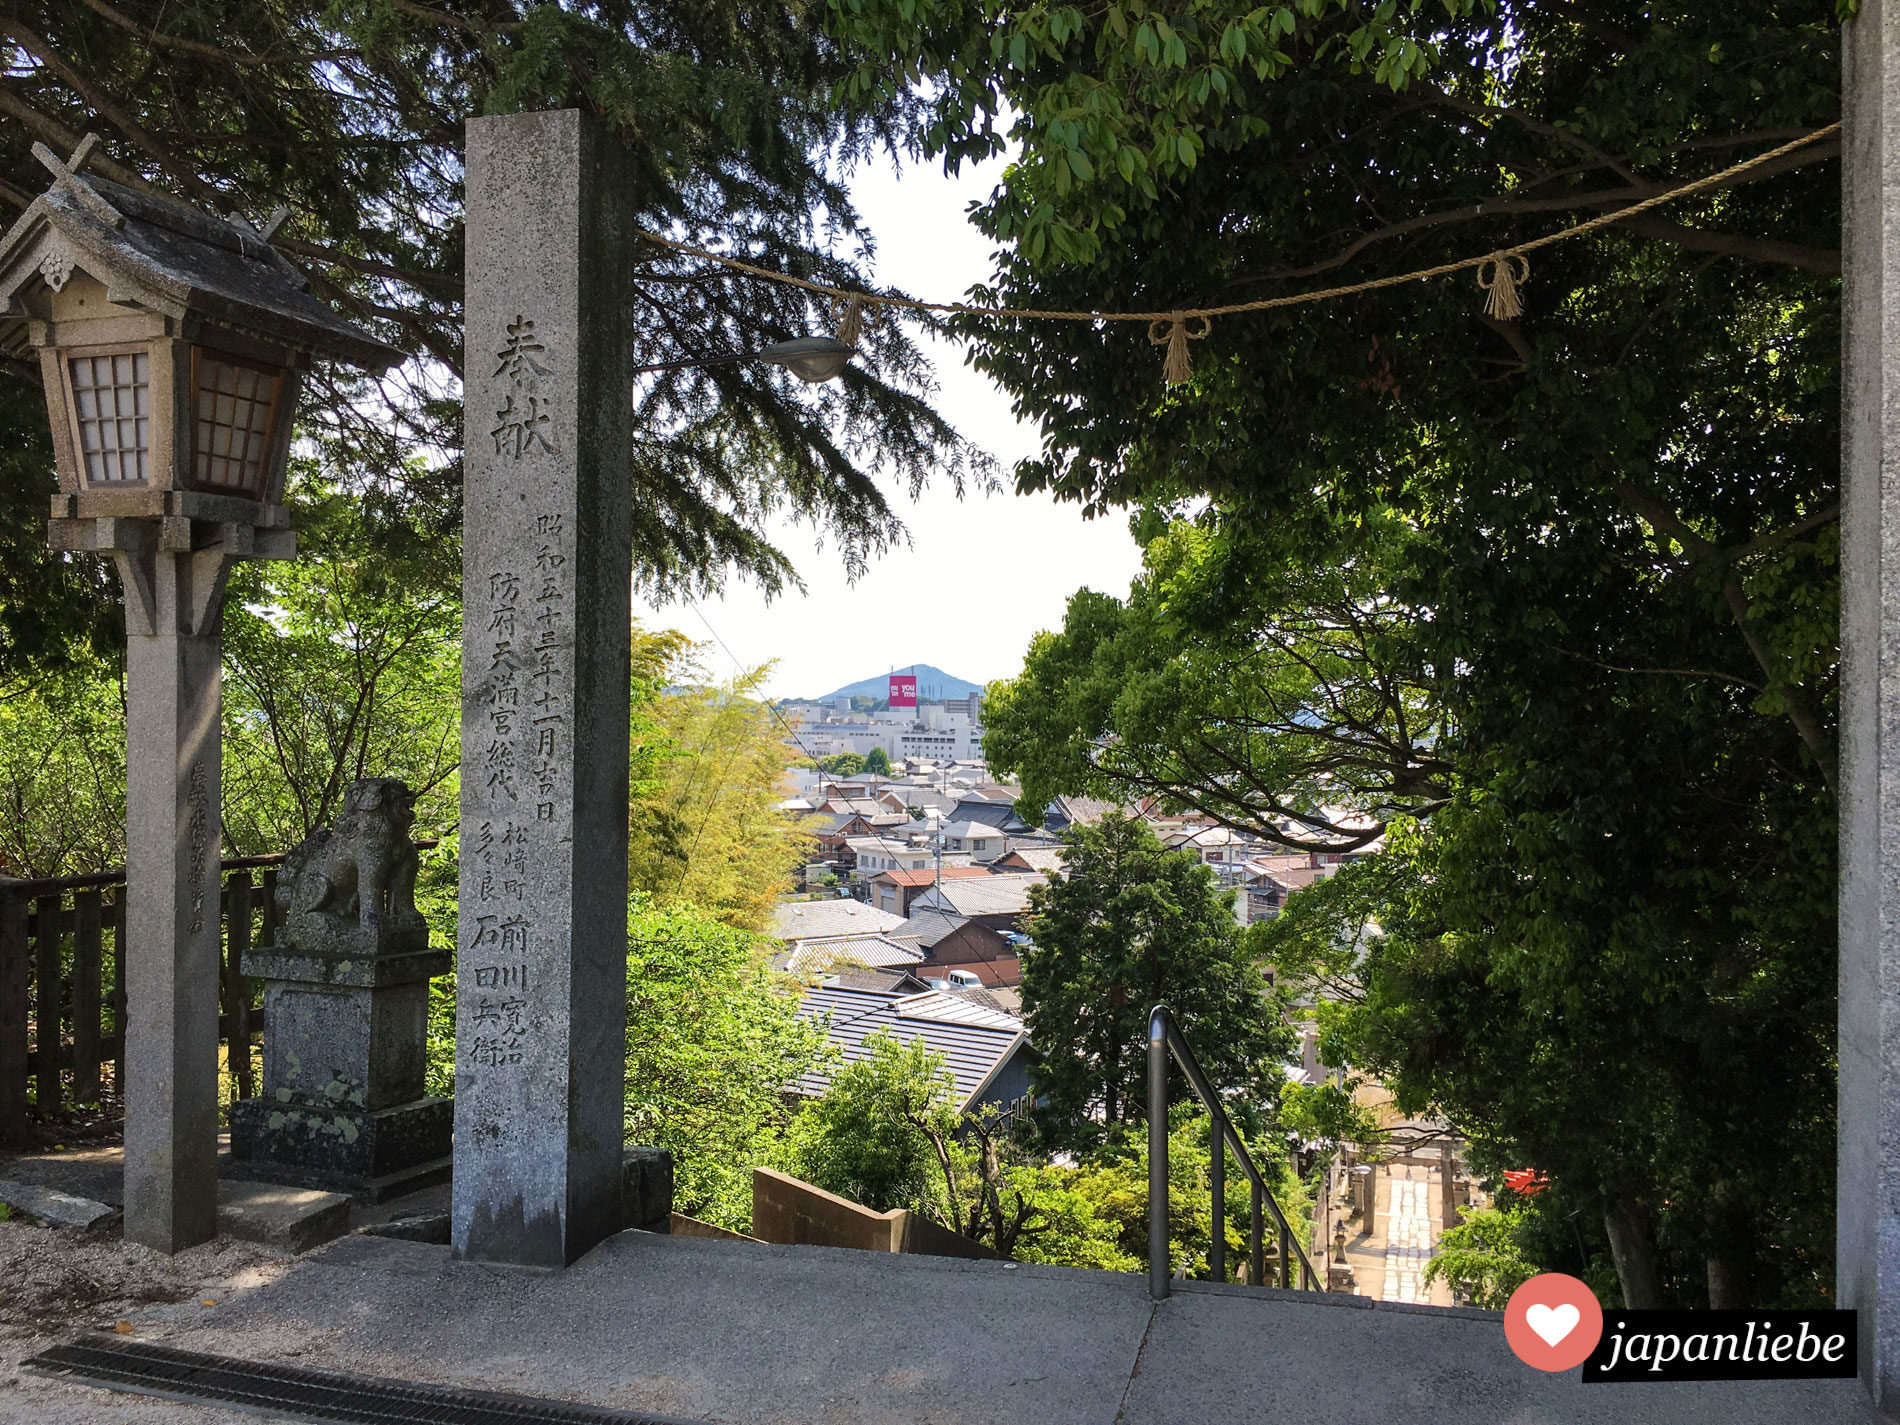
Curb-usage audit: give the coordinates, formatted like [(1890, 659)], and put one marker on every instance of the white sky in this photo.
[(914, 605)]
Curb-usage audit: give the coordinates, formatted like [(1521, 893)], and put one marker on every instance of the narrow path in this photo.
[(1408, 1238)]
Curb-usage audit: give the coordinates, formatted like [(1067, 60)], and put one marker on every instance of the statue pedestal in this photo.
[(343, 1103)]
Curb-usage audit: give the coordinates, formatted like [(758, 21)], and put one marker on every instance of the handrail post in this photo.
[(1217, 1183), (1286, 1258), (1158, 1263), (1256, 1252)]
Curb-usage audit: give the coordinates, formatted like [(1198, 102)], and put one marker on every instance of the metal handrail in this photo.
[(1164, 1038)]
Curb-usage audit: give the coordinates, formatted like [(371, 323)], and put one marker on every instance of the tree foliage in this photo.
[(62, 773), (864, 1138), (339, 665), (1482, 1259), (708, 763), (1131, 926), (1603, 535), (352, 116), (1296, 711), (711, 1045)]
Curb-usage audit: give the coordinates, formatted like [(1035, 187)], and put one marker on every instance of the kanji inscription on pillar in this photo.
[(547, 531)]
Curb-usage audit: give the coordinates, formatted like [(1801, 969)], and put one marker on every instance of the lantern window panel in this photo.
[(112, 406), (234, 408)]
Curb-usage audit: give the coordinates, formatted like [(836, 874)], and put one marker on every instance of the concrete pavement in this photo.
[(816, 1336)]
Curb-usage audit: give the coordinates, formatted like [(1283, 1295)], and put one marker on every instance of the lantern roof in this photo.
[(166, 256)]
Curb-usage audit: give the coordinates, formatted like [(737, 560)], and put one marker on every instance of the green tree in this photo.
[(863, 1138), (708, 763), (62, 773), (887, 1134), (1482, 1259), (843, 764), (876, 761), (1298, 711), (1616, 588), (352, 117), (1130, 926), (711, 1046), (340, 664)]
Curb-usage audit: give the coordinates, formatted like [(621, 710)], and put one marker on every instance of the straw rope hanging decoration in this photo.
[(1499, 274)]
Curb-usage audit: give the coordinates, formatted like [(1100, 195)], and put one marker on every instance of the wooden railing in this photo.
[(62, 985)]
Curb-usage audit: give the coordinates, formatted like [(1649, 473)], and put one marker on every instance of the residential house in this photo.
[(994, 901), (978, 841), (833, 835), (1065, 812), (869, 855), (985, 1049), (1040, 858), (895, 890), (823, 954), (1217, 846), (956, 944), (999, 812), (811, 920)]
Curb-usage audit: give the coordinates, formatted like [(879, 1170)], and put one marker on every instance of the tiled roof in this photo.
[(928, 926), (816, 956), (958, 1007), (1046, 859), (811, 920), (893, 980), (927, 875), (974, 1039), (993, 895), (1001, 973), (184, 258), (1083, 811)]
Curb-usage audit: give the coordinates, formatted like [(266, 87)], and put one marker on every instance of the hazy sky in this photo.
[(981, 574)]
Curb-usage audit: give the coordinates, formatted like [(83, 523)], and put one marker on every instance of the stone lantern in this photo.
[(171, 344)]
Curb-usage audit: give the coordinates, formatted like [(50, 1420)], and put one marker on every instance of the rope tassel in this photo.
[(1172, 332), (851, 316), (1500, 284)]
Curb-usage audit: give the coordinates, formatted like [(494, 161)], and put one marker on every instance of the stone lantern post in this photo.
[(171, 344)]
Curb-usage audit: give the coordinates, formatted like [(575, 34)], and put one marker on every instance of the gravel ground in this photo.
[(55, 1285)]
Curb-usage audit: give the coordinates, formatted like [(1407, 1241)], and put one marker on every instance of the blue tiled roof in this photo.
[(972, 1052)]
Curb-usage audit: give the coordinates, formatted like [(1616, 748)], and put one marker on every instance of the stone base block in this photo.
[(296, 1219), (340, 1145), (646, 1188)]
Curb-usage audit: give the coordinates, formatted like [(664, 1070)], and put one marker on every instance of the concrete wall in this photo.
[(798, 1214), (680, 1225)]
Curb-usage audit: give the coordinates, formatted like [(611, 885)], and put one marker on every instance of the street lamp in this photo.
[(171, 344), (812, 359)]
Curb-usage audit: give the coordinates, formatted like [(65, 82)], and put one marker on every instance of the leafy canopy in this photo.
[(352, 116), (1132, 925)]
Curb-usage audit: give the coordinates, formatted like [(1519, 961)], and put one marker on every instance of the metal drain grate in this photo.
[(314, 1395)]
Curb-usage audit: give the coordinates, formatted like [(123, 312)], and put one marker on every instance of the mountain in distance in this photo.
[(932, 682)]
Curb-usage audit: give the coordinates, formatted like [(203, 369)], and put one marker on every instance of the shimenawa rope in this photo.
[(1508, 268)]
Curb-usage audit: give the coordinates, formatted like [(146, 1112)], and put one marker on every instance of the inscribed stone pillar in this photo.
[(1868, 1184), (541, 949), (172, 922)]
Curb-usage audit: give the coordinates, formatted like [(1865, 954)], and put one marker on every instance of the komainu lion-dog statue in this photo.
[(351, 888)]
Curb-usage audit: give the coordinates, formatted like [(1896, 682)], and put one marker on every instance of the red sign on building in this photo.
[(903, 690)]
